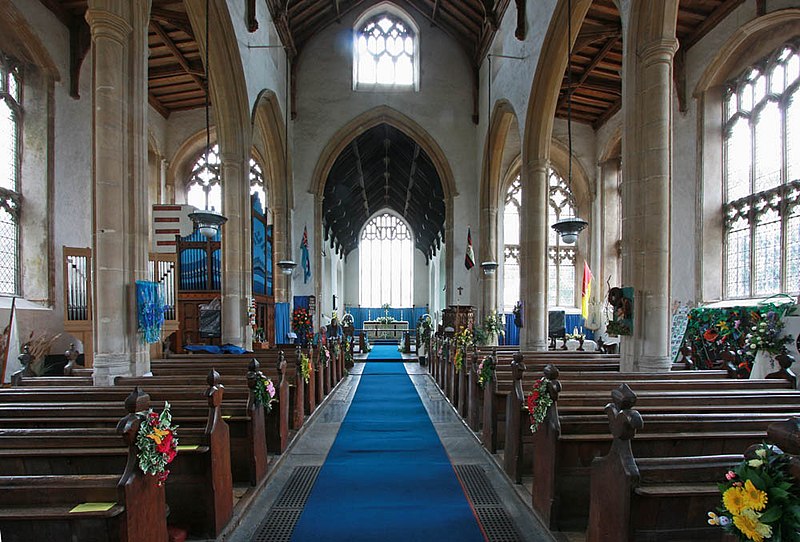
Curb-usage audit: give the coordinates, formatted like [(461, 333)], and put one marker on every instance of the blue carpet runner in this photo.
[(382, 352), (387, 477)]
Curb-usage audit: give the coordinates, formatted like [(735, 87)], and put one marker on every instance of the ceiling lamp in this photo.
[(489, 268), (208, 221), (287, 266), (569, 228)]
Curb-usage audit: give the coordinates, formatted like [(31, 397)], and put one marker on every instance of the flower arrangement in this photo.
[(324, 355), (464, 339), (264, 393), (367, 346), (157, 442), (384, 319), (760, 499), (347, 320), (348, 354), (493, 325), (305, 367), (485, 371), (764, 333), (538, 402), (617, 327), (302, 324), (334, 350)]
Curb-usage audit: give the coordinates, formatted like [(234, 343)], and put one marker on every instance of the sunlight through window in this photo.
[(386, 256), (385, 53)]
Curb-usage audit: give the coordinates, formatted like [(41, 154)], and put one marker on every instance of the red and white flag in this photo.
[(469, 257)]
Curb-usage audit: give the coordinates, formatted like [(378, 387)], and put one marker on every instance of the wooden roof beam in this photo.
[(175, 18), (164, 37), (158, 106), (592, 65), (708, 24), (360, 175)]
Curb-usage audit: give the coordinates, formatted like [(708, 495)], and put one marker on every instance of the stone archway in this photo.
[(382, 115)]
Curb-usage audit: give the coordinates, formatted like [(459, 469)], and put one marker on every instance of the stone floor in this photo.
[(311, 446)]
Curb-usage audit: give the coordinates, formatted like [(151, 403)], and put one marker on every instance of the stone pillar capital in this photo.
[(536, 165), (230, 158), (105, 24), (658, 51)]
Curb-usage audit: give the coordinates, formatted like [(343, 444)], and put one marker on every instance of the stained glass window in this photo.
[(257, 185), (10, 160), (386, 256), (204, 189), (385, 53), (761, 169)]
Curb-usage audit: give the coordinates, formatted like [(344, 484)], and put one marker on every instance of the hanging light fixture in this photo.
[(287, 266), (208, 221), (489, 268), (569, 228)]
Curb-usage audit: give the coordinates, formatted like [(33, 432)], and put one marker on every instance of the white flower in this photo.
[(755, 463)]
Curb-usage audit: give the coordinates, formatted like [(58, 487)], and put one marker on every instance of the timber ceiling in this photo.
[(176, 76), (597, 56), (381, 168), (471, 23)]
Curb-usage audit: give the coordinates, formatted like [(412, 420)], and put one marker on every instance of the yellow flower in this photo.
[(751, 527), (753, 497), (158, 434), (733, 499)]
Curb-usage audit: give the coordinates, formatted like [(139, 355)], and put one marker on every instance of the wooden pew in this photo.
[(199, 490), (39, 507), (563, 447)]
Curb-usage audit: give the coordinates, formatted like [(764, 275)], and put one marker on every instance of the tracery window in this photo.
[(385, 53), (10, 161), (204, 189), (257, 185), (386, 263), (560, 257), (511, 289), (761, 174)]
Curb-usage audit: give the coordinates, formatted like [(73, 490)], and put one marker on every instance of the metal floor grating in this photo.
[(283, 516), (496, 523)]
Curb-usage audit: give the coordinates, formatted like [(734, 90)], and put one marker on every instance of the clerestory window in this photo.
[(761, 174), (385, 54), (10, 161)]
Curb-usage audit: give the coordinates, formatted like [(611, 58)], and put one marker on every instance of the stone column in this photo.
[(280, 251), (533, 255), (162, 181), (609, 221), (236, 258), (646, 209), (488, 253), (120, 211)]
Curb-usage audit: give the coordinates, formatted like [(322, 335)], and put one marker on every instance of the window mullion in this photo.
[(753, 217)]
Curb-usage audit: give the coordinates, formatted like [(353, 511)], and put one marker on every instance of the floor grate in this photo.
[(497, 524), (283, 516)]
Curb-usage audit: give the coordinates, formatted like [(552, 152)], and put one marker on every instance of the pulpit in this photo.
[(459, 316)]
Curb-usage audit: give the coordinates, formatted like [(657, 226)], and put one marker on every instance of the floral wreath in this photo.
[(760, 499), (157, 442), (324, 355), (464, 339), (538, 402), (264, 393), (305, 367), (485, 371)]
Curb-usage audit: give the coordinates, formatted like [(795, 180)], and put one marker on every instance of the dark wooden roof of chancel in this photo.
[(176, 75), (383, 168), (597, 56)]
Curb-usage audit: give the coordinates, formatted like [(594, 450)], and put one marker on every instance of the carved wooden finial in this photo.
[(253, 366), (786, 435), (551, 372), (517, 366), (137, 401), (622, 419), (213, 378), (281, 361), (71, 354)]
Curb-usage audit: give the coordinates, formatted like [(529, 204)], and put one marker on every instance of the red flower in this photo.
[(531, 403), (153, 418), (711, 335), (165, 445)]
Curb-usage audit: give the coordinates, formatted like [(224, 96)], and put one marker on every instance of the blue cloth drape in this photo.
[(512, 331), (283, 323), (362, 314), (572, 321), (301, 301)]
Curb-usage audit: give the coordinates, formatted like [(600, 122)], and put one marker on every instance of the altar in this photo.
[(388, 330)]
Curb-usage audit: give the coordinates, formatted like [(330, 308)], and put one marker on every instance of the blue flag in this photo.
[(306, 261)]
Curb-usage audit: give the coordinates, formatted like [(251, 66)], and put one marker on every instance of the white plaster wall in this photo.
[(443, 107), (350, 271), (264, 68), (71, 177)]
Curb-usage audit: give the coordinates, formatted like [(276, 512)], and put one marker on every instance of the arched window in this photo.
[(386, 255), (10, 160), (761, 177), (385, 53), (511, 245), (204, 189), (257, 185), (560, 257)]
